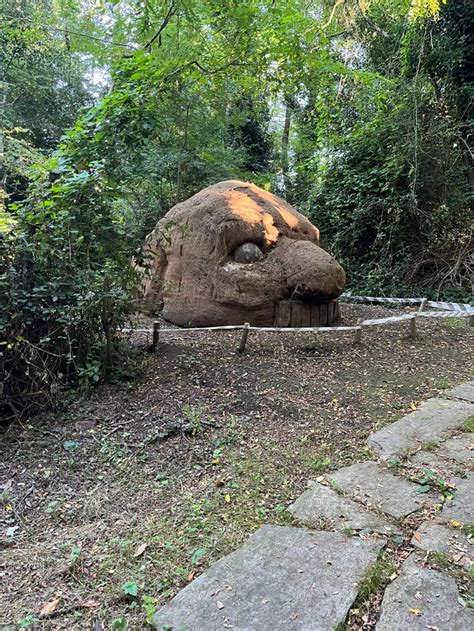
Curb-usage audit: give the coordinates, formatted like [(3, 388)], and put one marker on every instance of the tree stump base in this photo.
[(298, 314)]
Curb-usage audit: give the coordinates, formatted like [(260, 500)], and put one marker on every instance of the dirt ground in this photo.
[(113, 506)]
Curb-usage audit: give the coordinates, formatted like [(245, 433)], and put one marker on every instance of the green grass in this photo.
[(320, 465), (453, 323), (374, 579), (441, 559), (183, 543), (430, 445), (462, 575), (468, 426)]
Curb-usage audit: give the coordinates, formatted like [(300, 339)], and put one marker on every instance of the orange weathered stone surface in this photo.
[(192, 272)]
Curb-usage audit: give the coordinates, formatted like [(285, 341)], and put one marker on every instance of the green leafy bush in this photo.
[(66, 284)]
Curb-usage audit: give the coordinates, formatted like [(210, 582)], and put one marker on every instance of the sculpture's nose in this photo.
[(313, 280), (309, 270)]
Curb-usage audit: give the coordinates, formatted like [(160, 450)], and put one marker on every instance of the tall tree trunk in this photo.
[(3, 104), (285, 138), (179, 175)]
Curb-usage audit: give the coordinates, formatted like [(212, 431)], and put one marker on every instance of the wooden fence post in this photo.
[(358, 333), (423, 305), (243, 339), (413, 326), (156, 336)]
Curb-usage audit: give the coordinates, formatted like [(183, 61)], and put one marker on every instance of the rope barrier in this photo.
[(448, 306), (409, 316), (314, 329), (229, 327)]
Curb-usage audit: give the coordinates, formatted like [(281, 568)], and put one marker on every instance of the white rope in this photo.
[(423, 314), (448, 306), (229, 327), (444, 314), (451, 306), (251, 328), (405, 316), (314, 329), (382, 299)]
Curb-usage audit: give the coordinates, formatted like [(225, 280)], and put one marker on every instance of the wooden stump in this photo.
[(283, 314), (314, 315), (306, 316), (296, 313), (323, 314)]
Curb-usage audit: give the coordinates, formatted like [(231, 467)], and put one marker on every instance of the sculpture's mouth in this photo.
[(299, 313)]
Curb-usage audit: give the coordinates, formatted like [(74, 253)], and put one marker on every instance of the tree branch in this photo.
[(171, 12)]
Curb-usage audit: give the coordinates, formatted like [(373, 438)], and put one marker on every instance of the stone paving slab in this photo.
[(465, 391), (282, 578), (429, 459), (319, 502), (372, 485), (422, 598), (460, 448), (461, 508), (433, 537), (429, 422), (453, 454)]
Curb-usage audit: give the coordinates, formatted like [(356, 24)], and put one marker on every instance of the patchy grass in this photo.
[(462, 574), (453, 323), (444, 384), (468, 426), (430, 445), (146, 486), (376, 576)]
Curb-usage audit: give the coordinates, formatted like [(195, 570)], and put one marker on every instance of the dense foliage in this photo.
[(358, 112), (391, 184)]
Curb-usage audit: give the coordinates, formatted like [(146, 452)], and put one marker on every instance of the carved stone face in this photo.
[(231, 253)]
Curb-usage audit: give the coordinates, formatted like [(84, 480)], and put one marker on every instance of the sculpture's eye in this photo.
[(248, 253)]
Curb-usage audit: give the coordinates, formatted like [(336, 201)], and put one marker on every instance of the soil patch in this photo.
[(141, 486)]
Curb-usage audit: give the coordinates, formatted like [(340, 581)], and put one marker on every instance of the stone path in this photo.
[(422, 598), (283, 578), (294, 578), (428, 423), (320, 502), (370, 484)]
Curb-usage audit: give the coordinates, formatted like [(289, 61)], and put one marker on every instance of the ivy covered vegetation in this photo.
[(358, 112)]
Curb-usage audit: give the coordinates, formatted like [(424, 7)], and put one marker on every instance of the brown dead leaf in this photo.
[(89, 604), (417, 535), (48, 608), (140, 550)]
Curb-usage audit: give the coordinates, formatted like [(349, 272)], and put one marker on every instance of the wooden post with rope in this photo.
[(156, 336), (358, 333), (422, 305), (243, 339)]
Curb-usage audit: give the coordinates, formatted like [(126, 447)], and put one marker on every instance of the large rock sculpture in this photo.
[(235, 253)]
